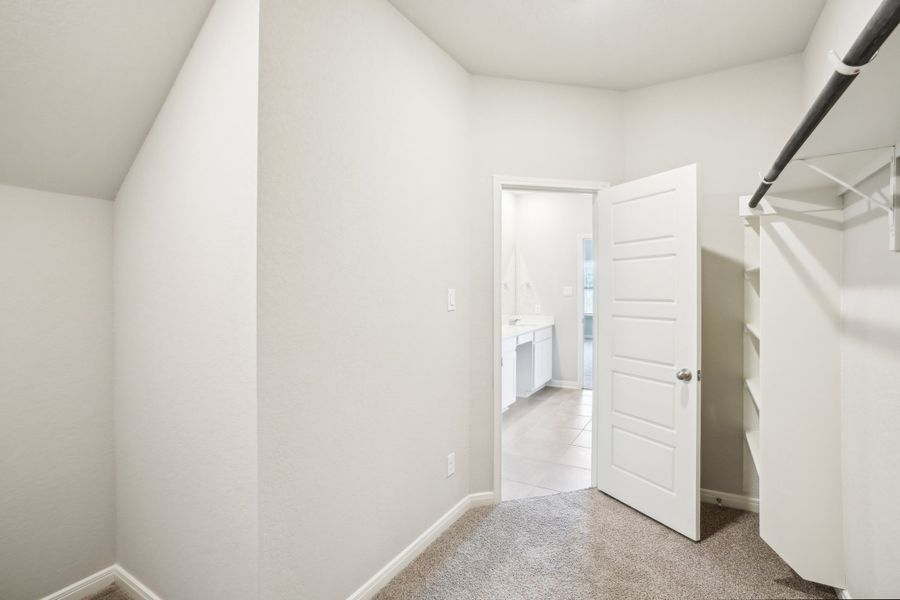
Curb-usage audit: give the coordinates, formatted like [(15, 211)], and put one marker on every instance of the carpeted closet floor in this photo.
[(586, 546), (110, 593)]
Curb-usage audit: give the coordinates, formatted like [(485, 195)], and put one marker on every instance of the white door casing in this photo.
[(646, 329)]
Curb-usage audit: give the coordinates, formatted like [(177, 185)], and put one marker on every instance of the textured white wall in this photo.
[(508, 291), (185, 327), (82, 83), (731, 129), (364, 222), (719, 121), (868, 114), (870, 382), (525, 129), (547, 230), (836, 29), (56, 434)]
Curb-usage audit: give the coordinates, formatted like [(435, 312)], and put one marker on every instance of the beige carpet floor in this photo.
[(110, 593), (586, 546)]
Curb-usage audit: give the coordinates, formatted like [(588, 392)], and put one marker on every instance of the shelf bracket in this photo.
[(891, 204), (844, 184)]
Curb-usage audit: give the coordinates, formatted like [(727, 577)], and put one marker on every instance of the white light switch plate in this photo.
[(568, 291), (451, 299), (451, 464)]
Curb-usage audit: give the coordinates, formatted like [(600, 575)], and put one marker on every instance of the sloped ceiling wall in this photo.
[(81, 83)]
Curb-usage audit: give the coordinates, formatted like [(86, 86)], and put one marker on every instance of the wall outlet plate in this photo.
[(451, 464)]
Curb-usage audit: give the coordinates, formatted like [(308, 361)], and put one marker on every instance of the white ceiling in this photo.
[(81, 82), (613, 44)]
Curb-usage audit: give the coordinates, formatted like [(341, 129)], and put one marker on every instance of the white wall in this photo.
[(525, 129), (868, 114), (82, 83), (185, 327), (56, 434), (870, 344), (364, 219), (508, 291), (840, 22), (870, 382), (732, 129), (548, 251)]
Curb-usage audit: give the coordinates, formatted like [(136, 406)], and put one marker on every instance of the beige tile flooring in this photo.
[(547, 444)]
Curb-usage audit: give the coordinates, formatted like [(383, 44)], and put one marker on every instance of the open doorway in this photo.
[(546, 412), (645, 399)]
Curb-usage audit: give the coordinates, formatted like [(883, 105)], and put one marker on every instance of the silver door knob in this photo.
[(684, 375)]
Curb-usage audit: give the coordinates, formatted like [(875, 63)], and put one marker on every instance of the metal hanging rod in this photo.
[(863, 50)]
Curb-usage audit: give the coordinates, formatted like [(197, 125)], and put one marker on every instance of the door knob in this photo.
[(684, 375)]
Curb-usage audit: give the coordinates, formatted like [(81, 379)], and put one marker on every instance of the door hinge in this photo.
[(699, 374)]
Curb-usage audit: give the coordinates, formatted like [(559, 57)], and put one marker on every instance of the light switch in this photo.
[(568, 291), (451, 299)]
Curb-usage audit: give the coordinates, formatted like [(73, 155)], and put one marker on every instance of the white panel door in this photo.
[(647, 330)]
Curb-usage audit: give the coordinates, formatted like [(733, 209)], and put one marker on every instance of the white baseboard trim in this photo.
[(481, 499), (739, 501), (86, 587), (101, 579), (562, 383), (408, 554), (132, 585), (843, 594)]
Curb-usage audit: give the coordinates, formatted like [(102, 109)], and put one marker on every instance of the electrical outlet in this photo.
[(451, 464), (537, 309)]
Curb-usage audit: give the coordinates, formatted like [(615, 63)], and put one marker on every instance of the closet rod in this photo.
[(876, 31)]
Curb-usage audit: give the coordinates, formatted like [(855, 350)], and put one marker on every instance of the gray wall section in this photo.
[(364, 216), (57, 513), (721, 122), (185, 327), (870, 381)]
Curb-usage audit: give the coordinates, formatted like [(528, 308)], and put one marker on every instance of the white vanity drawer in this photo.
[(509, 345), (525, 338), (543, 334)]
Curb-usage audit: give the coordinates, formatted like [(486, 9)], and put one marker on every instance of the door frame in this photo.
[(501, 183), (580, 306)]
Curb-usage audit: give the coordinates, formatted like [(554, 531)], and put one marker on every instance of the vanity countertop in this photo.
[(509, 331)]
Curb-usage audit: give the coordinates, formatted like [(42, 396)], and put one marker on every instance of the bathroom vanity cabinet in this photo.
[(527, 361)]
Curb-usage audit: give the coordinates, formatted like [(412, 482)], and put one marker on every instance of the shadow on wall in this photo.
[(877, 329), (721, 416)]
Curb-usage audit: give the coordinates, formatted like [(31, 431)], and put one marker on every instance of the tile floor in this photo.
[(547, 444)]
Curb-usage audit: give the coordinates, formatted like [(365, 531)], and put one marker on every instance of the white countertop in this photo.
[(528, 325)]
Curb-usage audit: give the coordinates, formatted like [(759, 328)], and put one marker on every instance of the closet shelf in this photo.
[(752, 271), (753, 388), (752, 329), (752, 438)]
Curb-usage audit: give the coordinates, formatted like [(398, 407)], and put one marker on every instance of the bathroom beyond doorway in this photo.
[(546, 302)]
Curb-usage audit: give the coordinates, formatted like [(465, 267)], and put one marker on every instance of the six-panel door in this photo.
[(647, 330)]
